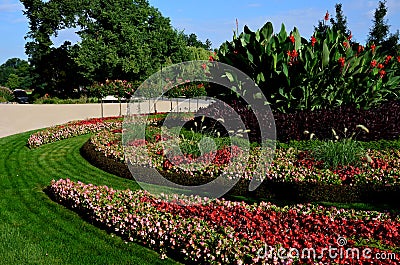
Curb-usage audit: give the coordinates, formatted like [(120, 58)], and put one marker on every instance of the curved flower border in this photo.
[(72, 129), (289, 165), (226, 232)]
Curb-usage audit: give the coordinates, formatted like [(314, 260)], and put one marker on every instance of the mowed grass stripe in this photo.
[(36, 230)]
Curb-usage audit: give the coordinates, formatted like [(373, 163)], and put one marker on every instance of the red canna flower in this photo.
[(345, 44), (381, 66), (398, 59), (293, 57), (292, 54), (373, 47), (388, 58), (341, 61), (360, 48), (382, 73), (292, 39), (313, 41), (373, 64), (349, 37), (211, 59), (326, 16)]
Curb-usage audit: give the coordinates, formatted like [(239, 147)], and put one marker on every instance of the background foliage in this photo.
[(118, 40), (15, 73)]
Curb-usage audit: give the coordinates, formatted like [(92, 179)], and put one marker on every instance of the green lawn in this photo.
[(36, 230)]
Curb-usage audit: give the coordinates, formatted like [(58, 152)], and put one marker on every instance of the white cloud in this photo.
[(8, 6), (20, 20)]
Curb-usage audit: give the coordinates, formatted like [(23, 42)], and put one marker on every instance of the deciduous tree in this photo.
[(120, 39), (15, 73)]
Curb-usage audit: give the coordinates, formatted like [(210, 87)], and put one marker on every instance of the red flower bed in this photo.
[(225, 232), (72, 129)]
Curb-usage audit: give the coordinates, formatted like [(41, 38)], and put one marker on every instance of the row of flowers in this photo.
[(94, 125), (288, 165), (72, 129), (202, 231)]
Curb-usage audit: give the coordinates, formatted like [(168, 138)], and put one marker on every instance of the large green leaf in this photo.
[(250, 57), (266, 31), (275, 58), (258, 36), (394, 82), (285, 70), (282, 36), (325, 54), (296, 35), (246, 30)]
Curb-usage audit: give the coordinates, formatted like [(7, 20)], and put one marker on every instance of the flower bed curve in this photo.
[(293, 174), (225, 232), (72, 129)]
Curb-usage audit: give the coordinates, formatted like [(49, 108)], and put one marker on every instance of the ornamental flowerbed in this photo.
[(200, 231), (76, 128), (289, 164), (293, 175), (72, 129)]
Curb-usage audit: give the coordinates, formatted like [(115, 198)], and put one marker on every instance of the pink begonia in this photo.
[(225, 231)]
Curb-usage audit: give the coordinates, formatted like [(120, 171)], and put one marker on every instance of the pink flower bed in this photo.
[(289, 165), (72, 129), (226, 232)]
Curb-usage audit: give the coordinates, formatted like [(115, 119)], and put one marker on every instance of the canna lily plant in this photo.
[(326, 71)]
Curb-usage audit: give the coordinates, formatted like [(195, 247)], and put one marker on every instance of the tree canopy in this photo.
[(379, 33), (119, 39), (340, 20), (15, 73), (193, 41)]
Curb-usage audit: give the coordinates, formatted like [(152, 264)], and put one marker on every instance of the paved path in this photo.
[(17, 118)]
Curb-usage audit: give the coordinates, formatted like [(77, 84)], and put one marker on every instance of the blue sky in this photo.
[(215, 20)]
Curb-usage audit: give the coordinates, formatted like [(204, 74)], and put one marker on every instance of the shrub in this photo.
[(6, 95), (383, 121), (189, 90), (56, 100), (222, 116)]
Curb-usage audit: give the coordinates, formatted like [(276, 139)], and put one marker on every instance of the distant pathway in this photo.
[(17, 118)]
